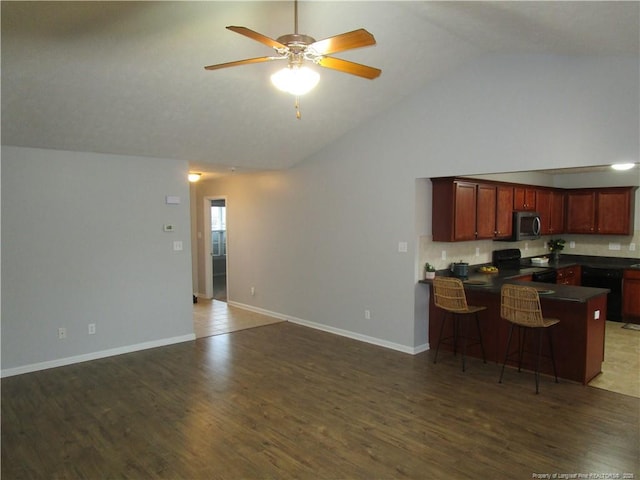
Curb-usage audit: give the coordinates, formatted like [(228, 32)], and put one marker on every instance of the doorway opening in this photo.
[(218, 217)]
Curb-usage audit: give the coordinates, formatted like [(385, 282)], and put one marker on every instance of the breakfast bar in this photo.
[(578, 339)]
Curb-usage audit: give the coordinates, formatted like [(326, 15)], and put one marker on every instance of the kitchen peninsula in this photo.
[(578, 339)]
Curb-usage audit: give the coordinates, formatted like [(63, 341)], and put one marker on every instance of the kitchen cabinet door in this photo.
[(569, 275), (613, 207), (453, 210), (504, 210), (557, 213), (465, 211), (605, 211), (524, 198), (543, 207), (631, 296), (550, 206), (581, 211), (486, 211)]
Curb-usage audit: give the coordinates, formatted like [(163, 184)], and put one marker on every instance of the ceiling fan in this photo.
[(299, 49)]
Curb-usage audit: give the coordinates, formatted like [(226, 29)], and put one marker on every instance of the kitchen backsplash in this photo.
[(479, 252)]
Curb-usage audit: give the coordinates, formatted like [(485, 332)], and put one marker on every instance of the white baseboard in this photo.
[(337, 331), (34, 367)]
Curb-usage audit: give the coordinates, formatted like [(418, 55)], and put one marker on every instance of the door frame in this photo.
[(208, 268)]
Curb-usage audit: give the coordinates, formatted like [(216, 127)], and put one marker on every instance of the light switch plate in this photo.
[(173, 200), (177, 245), (402, 247)]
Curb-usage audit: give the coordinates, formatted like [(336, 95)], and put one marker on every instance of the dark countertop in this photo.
[(570, 293), (590, 261), (492, 282)]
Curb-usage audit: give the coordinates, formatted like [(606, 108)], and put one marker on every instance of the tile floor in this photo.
[(213, 317), (620, 369), (621, 366)]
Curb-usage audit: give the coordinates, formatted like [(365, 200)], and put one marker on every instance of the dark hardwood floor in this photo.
[(285, 401)]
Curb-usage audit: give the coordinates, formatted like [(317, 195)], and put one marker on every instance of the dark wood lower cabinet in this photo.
[(569, 275), (578, 339), (631, 296)]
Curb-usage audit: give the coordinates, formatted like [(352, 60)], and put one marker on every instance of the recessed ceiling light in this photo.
[(623, 166)]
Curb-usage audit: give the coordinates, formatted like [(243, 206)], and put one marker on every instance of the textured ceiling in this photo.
[(128, 77)]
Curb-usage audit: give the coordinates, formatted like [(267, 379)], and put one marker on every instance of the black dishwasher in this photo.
[(611, 278)]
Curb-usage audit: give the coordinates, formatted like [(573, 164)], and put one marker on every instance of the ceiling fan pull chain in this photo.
[(297, 105)]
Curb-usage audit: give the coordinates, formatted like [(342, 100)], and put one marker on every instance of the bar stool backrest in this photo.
[(521, 305), (448, 294)]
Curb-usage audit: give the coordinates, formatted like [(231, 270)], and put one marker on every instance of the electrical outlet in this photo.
[(253, 291), (92, 329), (614, 246), (444, 254), (596, 315), (62, 333), (632, 246), (526, 245), (572, 244), (367, 314), (477, 251)]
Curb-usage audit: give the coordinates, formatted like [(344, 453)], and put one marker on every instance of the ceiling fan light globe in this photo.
[(295, 80)]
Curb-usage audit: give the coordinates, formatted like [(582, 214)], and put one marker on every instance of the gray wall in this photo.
[(83, 242), (319, 242)]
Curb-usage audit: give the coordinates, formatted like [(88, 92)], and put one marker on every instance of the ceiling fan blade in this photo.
[(240, 62), (269, 42), (350, 67), (344, 41)]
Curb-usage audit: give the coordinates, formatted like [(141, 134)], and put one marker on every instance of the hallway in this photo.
[(213, 317)]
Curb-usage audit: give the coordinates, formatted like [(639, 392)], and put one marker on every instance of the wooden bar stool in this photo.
[(448, 295), (520, 306)]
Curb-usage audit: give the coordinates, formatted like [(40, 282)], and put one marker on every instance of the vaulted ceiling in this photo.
[(128, 77)]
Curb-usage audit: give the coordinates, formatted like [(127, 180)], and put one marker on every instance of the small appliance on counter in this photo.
[(543, 261), (460, 269)]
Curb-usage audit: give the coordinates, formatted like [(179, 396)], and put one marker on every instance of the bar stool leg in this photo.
[(522, 336), (506, 353), (465, 333), (553, 360), (456, 327), (444, 317), (537, 374), (484, 357)]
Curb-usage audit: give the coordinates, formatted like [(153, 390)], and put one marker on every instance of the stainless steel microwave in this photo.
[(526, 226)]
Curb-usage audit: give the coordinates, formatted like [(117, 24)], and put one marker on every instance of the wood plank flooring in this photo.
[(285, 401)]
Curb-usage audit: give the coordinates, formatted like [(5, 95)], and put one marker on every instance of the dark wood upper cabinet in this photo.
[(614, 209), (504, 217), (543, 207), (604, 211), (464, 209), (486, 208), (557, 212), (581, 211), (524, 198), (550, 206), (453, 211)]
